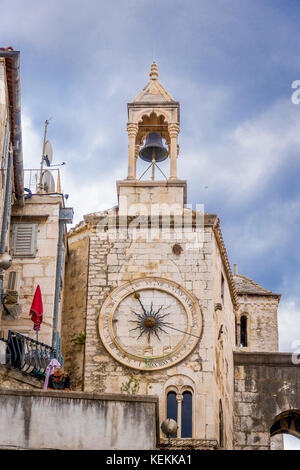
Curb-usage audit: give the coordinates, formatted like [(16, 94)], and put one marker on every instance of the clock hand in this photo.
[(142, 305), (185, 332)]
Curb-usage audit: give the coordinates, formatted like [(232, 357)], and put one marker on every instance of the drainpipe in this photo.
[(65, 217), (7, 202), (13, 57)]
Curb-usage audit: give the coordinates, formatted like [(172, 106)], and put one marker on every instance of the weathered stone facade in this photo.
[(75, 299), (11, 379), (35, 419), (40, 269), (114, 251), (266, 385), (208, 370), (259, 307)]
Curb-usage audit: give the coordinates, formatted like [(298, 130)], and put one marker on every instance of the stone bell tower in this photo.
[(152, 112), (162, 315)]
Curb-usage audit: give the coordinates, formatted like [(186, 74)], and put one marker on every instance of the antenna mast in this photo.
[(43, 154)]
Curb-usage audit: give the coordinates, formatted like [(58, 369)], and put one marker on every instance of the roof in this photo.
[(12, 61), (245, 285), (153, 91)]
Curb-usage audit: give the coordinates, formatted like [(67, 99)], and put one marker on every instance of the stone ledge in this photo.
[(188, 443), (82, 395), (8, 373), (263, 359)]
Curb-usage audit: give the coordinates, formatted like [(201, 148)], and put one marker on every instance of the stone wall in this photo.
[(74, 309), (16, 380), (262, 323), (113, 263), (266, 385), (39, 270), (4, 107), (76, 421)]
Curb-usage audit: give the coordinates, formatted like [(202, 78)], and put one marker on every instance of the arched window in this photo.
[(244, 339), (221, 425), (172, 411), (186, 414), (180, 408)]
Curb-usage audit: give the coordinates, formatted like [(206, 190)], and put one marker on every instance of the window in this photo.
[(222, 287), (244, 340), (186, 415), (180, 408), (24, 238), (236, 332), (172, 408), (221, 425)]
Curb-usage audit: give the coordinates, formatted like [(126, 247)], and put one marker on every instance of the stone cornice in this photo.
[(264, 359), (226, 264)]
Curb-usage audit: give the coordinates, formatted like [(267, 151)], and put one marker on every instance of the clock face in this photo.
[(150, 324)]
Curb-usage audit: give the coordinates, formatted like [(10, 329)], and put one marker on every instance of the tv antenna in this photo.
[(46, 157)]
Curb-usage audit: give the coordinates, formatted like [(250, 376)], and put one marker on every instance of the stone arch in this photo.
[(152, 121), (287, 422), (181, 385), (158, 112)]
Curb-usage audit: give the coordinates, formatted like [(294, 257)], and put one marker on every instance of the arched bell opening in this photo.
[(152, 147), (156, 140), (152, 123)]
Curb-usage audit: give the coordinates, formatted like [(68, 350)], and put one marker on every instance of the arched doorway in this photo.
[(286, 423)]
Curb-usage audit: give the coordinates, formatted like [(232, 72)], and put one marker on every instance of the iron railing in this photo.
[(47, 181), (26, 354)]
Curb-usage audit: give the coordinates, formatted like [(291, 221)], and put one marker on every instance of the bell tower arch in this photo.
[(153, 127), (153, 111)]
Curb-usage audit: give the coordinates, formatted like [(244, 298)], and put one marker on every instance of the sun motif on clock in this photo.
[(150, 323)]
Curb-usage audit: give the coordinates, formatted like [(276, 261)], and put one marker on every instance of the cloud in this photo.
[(243, 162), (289, 324), (32, 142)]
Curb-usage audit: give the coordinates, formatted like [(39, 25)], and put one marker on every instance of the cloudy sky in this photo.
[(230, 63)]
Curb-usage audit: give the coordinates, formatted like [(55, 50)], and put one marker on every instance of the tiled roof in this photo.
[(244, 285)]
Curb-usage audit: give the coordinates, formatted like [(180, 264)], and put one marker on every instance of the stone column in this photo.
[(179, 399), (132, 130), (173, 132), (137, 151)]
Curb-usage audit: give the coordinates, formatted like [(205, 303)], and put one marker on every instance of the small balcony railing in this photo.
[(47, 181), (26, 354)]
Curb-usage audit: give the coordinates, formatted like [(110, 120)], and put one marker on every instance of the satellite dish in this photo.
[(48, 183), (48, 153)]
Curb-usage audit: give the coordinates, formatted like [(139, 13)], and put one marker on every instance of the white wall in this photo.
[(32, 419)]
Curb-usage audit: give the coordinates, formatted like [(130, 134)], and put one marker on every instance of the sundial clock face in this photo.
[(150, 323)]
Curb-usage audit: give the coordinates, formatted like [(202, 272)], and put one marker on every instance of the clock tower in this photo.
[(159, 317)]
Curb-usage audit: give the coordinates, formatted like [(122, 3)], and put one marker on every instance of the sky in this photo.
[(230, 63)]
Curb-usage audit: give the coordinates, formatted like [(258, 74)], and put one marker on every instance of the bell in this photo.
[(153, 148)]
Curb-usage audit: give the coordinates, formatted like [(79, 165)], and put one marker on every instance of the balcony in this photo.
[(26, 354), (46, 181)]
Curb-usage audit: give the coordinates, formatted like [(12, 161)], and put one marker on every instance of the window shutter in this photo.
[(13, 281), (24, 240)]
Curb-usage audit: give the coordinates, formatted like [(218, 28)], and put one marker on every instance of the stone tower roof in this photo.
[(245, 285), (153, 91)]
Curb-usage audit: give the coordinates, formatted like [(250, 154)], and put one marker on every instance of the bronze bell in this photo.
[(153, 148)]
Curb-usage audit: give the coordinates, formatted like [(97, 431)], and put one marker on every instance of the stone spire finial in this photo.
[(153, 71)]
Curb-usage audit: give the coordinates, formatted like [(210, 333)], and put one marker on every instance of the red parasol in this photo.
[(36, 310)]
